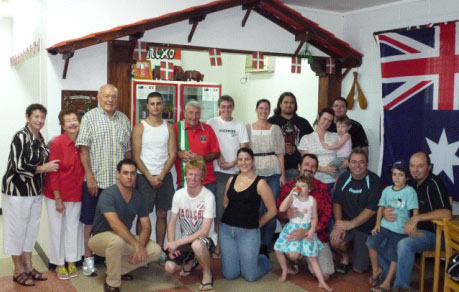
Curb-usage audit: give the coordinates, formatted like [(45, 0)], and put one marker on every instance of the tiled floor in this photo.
[(155, 279)]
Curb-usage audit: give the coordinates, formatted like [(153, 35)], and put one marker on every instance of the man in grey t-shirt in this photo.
[(111, 238)]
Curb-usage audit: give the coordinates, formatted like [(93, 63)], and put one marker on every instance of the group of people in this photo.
[(233, 181)]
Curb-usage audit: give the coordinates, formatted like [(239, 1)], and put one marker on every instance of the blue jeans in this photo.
[(267, 231), (406, 250), (239, 248)]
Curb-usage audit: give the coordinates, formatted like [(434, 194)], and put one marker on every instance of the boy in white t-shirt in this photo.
[(232, 135), (194, 206)]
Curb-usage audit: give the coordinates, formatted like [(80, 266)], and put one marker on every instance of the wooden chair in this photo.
[(426, 254), (451, 247)]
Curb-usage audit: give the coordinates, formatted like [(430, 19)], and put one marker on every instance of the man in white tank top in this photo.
[(154, 149)]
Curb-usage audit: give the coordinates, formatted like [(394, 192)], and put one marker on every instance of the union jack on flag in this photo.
[(420, 96)]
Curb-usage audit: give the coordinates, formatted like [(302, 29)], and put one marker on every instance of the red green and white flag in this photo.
[(167, 70), (140, 51), (296, 65), (257, 60), (330, 66), (215, 57)]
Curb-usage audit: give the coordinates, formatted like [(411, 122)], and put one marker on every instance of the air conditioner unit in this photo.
[(269, 64)]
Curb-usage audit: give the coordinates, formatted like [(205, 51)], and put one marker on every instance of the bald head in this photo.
[(420, 167)]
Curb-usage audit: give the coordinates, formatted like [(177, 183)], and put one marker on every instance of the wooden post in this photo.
[(329, 84)]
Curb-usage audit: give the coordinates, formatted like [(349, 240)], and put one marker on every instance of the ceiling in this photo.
[(341, 6)]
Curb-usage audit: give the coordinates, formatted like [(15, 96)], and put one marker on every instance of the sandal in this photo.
[(343, 268), (22, 279), (62, 273), (379, 289), (376, 280), (73, 272), (185, 272), (37, 276), (216, 255), (209, 286)]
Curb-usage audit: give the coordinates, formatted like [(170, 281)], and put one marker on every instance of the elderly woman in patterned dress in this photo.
[(22, 189)]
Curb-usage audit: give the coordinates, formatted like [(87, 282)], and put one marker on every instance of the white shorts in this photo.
[(21, 223)]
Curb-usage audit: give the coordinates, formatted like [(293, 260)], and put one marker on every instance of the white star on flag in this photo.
[(443, 155)]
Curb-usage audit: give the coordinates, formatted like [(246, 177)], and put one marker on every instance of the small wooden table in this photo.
[(438, 236)]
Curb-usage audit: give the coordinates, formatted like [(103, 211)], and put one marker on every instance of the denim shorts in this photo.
[(385, 243)]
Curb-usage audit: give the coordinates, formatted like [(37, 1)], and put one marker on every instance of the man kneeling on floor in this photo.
[(111, 238), (194, 205)]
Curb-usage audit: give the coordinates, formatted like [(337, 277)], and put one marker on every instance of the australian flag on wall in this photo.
[(420, 90)]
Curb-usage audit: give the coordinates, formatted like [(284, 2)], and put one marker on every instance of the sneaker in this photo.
[(89, 269)]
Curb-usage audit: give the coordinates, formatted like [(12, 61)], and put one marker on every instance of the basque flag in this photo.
[(140, 51), (215, 57), (296, 65), (420, 91), (258, 60)]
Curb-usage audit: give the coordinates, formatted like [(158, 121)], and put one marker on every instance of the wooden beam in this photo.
[(298, 49), (249, 8), (66, 57), (246, 16), (147, 25), (194, 21)]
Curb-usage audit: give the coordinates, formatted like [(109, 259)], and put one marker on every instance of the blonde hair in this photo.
[(196, 164)]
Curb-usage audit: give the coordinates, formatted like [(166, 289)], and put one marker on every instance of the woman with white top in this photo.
[(311, 144), (267, 142)]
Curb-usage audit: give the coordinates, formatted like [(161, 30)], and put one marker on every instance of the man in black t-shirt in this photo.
[(355, 202), (358, 136), (434, 203), (293, 128)]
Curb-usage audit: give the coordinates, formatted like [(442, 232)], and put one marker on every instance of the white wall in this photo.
[(257, 85), (358, 32)]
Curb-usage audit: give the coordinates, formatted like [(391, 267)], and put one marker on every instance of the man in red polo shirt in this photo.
[(196, 141)]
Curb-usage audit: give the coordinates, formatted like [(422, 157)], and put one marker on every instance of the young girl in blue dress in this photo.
[(306, 219)]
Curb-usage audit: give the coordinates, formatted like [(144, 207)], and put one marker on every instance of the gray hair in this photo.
[(108, 85), (192, 103)]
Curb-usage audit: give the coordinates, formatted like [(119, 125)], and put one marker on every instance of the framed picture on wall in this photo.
[(79, 100), (143, 69)]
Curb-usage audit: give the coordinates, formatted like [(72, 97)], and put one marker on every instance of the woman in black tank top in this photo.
[(239, 232)]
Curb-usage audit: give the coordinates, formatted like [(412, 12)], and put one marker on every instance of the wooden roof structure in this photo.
[(276, 11)]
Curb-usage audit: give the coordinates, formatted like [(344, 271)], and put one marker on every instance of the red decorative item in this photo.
[(296, 65), (258, 60), (330, 66), (167, 70), (140, 51), (215, 57)]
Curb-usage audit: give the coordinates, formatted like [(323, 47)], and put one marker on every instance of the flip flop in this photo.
[(377, 280), (37, 276), (185, 272), (22, 278), (210, 284)]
